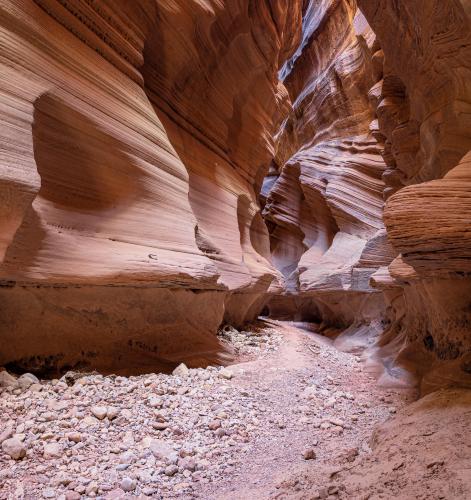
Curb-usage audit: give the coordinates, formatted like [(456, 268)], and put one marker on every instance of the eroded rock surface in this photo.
[(135, 136), (373, 121)]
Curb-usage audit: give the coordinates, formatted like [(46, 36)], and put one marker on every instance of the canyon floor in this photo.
[(293, 419)]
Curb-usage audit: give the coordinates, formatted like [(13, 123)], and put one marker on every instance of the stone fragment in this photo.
[(128, 484), (214, 424), (52, 450), (14, 448), (7, 380), (112, 412), (226, 373), (181, 370), (99, 412), (171, 470)]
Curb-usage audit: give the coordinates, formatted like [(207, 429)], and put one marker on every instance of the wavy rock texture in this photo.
[(324, 209), (424, 103), (380, 111), (140, 139), (134, 136)]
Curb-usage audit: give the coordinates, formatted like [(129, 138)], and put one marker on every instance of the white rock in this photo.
[(226, 374), (181, 370), (161, 450), (154, 402), (49, 493), (112, 412), (99, 412)]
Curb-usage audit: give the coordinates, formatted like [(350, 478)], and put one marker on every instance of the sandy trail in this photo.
[(314, 397)]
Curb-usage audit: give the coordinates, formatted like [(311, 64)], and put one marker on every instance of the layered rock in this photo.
[(379, 112), (134, 136), (423, 101), (325, 208), (139, 140)]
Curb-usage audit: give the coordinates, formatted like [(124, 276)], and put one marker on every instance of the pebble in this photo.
[(128, 484), (226, 374), (52, 450), (14, 448), (72, 495), (112, 412), (181, 370), (75, 437), (171, 470), (7, 380), (99, 412), (214, 424)]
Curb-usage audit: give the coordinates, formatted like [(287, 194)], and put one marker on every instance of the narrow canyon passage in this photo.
[(294, 420), (235, 249), (243, 432)]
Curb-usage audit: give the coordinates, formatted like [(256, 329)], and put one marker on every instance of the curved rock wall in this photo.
[(425, 103), (140, 139), (380, 111), (134, 138), (325, 207)]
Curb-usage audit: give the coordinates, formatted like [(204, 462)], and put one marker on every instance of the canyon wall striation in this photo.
[(134, 138), (325, 191), (368, 197), (169, 166), (424, 110)]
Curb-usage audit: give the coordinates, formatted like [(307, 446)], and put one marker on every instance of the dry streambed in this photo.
[(293, 420), (153, 435)]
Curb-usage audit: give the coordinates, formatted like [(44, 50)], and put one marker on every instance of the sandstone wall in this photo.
[(134, 136), (380, 113), (424, 103), (324, 209)]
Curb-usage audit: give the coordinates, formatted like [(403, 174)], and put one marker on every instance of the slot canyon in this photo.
[(235, 249)]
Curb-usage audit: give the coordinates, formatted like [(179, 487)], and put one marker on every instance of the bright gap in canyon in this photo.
[(235, 249)]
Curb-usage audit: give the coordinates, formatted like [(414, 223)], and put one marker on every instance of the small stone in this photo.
[(220, 432), (160, 426), (52, 450), (187, 464), (154, 402), (161, 450), (112, 412), (91, 488), (309, 454), (337, 422), (7, 380), (214, 424), (7, 433), (49, 493), (128, 484), (181, 370), (171, 470), (14, 448), (99, 412), (226, 374), (27, 380), (75, 437), (116, 494), (72, 495), (127, 458)]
